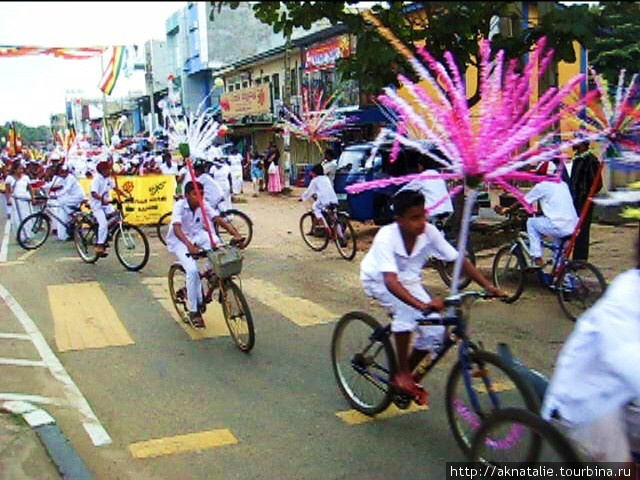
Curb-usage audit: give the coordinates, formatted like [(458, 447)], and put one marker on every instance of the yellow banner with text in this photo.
[(153, 195)]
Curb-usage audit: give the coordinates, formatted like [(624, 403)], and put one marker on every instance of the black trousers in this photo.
[(581, 247)]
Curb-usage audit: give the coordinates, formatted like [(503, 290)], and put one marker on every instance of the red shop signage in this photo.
[(324, 55)]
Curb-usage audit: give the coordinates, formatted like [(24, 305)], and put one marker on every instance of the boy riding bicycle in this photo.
[(188, 235), (322, 190), (391, 272)]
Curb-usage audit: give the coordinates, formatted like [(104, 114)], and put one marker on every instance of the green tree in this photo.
[(617, 45), (444, 26)]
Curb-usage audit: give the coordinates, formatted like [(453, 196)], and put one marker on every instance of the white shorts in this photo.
[(405, 317), (602, 440)]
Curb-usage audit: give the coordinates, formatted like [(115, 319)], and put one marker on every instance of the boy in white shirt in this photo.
[(433, 189), (100, 202), (322, 188), (559, 220), (391, 272), (597, 373), (69, 195), (188, 234)]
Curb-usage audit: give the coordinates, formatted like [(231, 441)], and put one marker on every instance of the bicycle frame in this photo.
[(559, 259)]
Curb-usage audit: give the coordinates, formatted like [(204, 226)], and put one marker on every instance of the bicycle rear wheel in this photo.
[(162, 227), (345, 237), (445, 269), (579, 287), (33, 231), (363, 362), (238, 316), (508, 272), (178, 291), (496, 444), (315, 236), (491, 386), (132, 247), (84, 236), (241, 222)]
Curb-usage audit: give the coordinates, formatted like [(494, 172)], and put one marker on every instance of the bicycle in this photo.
[(35, 228), (364, 362), (335, 225), (445, 269), (239, 220), (128, 239), (227, 264), (579, 284)]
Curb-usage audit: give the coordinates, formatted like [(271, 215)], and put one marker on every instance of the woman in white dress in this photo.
[(19, 194)]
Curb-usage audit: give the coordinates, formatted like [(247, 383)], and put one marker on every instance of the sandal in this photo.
[(195, 319), (416, 391)]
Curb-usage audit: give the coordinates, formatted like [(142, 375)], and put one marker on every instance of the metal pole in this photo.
[(105, 132), (149, 78)]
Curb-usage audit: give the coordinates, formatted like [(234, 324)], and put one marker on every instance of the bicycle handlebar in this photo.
[(458, 299)]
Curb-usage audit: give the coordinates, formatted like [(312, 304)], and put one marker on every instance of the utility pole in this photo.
[(148, 54)]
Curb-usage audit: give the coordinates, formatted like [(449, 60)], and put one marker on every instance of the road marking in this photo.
[(299, 310), (4, 248), (14, 336), (11, 263), (84, 318), (496, 386), (68, 259), (182, 443), (353, 417), (213, 317), (18, 362), (26, 255), (17, 397), (90, 422)]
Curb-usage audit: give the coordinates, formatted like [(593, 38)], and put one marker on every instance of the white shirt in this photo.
[(71, 190), (330, 167), (235, 162), (102, 186), (556, 203), (221, 176), (19, 187), (598, 369), (191, 222), (434, 190), (388, 254), (213, 195), (169, 170), (321, 186)]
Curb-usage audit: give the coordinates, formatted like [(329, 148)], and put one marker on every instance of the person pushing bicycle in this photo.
[(391, 272)]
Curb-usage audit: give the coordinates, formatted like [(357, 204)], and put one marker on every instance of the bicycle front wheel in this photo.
[(33, 231), (363, 362), (345, 237), (178, 291), (85, 232), (508, 272), (314, 235), (132, 247), (478, 388), (162, 227), (241, 222), (237, 315), (579, 287), (505, 436)]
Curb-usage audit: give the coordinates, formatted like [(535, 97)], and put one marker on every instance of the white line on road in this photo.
[(4, 248), (91, 424), (18, 362), (18, 397), (14, 336)]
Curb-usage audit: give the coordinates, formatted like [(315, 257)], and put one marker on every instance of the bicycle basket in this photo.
[(227, 262)]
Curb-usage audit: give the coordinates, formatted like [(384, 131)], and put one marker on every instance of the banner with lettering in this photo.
[(323, 56), (248, 101), (153, 195)]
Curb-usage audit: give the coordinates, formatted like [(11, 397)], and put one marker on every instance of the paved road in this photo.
[(117, 370)]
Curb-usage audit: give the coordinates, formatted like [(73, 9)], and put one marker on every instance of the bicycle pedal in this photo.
[(402, 400)]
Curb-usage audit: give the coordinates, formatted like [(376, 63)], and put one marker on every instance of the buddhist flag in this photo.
[(110, 75)]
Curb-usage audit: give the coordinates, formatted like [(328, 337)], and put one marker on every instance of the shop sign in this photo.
[(248, 101), (323, 56)]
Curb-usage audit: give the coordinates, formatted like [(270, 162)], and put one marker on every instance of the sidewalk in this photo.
[(22, 455)]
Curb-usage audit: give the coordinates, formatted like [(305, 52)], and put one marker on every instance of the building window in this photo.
[(231, 88), (275, 78), (238, 86), (245, 84), (258, 82)]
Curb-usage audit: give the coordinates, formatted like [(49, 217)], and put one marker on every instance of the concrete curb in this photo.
[(64, 456)]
